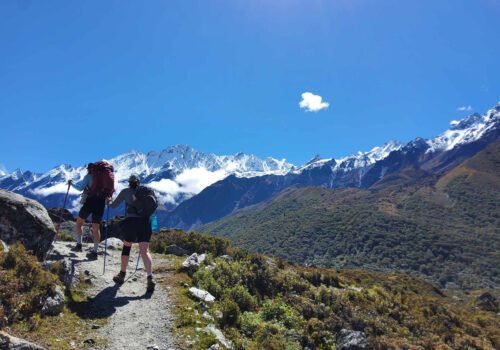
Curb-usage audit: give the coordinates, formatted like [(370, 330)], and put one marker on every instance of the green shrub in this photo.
[(227, 275), (24, 284), (242, 297), (230, 313), (249, 322), (205, 280), (271, 337), (192, 242), (279, 311)]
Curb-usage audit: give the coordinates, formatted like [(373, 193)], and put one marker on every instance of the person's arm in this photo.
[(118, 200), (81, 185)]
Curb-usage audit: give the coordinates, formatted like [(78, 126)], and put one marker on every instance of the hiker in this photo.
[(136, 228), (97, 185)]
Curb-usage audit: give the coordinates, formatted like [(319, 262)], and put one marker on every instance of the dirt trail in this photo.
[(135, 319)]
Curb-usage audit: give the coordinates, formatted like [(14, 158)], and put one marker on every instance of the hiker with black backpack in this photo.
[(140, 204), (97, 186)]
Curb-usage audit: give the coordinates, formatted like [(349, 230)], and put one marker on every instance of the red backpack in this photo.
[(103, 180)]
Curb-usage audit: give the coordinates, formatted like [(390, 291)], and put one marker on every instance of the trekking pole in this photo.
[(61, 213), (138, 259), (106, 241)]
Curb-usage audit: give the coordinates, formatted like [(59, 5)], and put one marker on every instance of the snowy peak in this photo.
[(467, 122), (364, 159), (177, 172), (466, 130)]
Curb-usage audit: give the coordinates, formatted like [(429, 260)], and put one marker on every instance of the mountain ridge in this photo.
[(434, 156), (444, 227), (179, 173)]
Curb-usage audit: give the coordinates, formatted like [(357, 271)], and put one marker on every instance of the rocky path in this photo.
[(134, 319)]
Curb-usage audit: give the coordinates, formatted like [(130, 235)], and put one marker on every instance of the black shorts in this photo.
[(94, 206), (136, 230)]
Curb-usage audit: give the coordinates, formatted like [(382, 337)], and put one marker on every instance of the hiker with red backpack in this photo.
[(97, 187), (140, 204)]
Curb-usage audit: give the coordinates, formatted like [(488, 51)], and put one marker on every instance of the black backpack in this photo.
[(145, 201)]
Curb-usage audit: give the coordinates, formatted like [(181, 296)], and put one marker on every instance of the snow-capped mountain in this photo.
[(465, 131), (360, 160), (180, 172), (433, 156), (176, 173), (461, 132)]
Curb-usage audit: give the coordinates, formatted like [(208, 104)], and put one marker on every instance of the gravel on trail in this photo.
[(134, 319)]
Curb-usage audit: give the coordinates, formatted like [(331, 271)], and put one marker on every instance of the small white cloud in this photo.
[(313, 103), (3, 170), (465, 108)]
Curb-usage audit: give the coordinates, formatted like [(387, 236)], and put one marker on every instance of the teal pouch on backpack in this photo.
[(153, 220)]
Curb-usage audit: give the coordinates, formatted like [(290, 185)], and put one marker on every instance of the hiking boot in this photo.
[(120, 277), (92, 255), (77, 248), (151, 285)]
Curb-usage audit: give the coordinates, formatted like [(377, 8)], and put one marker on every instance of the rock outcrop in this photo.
[(193, 262), (348, 339), (4, 247), (111, 243), (54, 305), (176, 250), (114, 228), (25, 221), (55, 215), (9, 342), (487, 302)]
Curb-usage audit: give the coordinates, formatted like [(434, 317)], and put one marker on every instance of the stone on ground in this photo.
[(202, 295), (193, 262)]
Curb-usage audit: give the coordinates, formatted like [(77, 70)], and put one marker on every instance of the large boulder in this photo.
[(26, 221)]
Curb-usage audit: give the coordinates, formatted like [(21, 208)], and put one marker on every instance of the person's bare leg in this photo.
[(79, 233), (146, 257), (148, 265), (96, 230)]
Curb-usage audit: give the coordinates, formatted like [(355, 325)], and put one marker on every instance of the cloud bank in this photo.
[(189, 182), (312, 103), (59, 188)]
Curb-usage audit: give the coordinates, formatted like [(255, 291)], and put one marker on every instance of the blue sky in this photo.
[(83, 80)]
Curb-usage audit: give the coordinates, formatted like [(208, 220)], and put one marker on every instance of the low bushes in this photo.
[(24, 285)]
